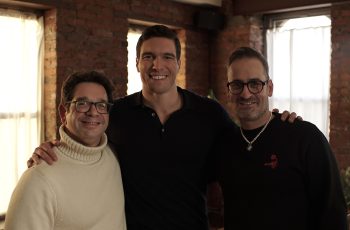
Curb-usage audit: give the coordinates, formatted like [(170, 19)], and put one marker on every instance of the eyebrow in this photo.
[(87, 99), (166, 53)]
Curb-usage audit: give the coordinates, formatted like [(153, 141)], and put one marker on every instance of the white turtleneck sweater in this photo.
[(82, 191)]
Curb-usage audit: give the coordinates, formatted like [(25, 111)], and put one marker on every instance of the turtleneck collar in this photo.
[(78, 151)]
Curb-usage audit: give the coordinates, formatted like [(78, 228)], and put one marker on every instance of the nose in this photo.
[(156, 63), (245, 92), (92, 110)]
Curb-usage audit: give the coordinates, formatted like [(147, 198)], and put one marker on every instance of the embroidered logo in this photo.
[(273, 162)]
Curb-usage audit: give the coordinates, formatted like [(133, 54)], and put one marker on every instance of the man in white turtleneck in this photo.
[(84, 189)]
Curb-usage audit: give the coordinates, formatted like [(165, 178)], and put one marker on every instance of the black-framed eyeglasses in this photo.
[(254, 86), (83, 106)]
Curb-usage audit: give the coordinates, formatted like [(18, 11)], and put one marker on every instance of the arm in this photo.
[(328, 205), (32, 205), (215, 202), (44, 152)]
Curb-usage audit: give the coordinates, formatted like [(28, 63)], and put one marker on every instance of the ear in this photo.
[(62, 111), (137, 64), (179, 63), (270, 87)]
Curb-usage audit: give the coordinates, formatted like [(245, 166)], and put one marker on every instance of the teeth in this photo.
[(247, 103), (91, 123), (158, 77)]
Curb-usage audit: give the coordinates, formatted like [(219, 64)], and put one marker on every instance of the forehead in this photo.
[(90, 90), (158, 45), (245, 69)]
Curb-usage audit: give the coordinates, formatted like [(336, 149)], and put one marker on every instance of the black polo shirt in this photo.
[(166, 167)]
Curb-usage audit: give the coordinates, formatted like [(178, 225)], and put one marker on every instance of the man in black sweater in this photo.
[(277, 175)]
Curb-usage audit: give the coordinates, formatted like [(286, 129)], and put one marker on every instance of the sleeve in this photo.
[(215, 200), (328, 207), (32, 205)]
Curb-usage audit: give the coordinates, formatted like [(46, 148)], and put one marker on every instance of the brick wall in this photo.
[(340, 84), (91, 34), (239, 31)]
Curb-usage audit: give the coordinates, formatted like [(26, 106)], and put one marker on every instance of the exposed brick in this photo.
[(91, 34)]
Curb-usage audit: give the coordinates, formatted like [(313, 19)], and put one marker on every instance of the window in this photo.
[(299, 52), (134, 79), (21, 45)]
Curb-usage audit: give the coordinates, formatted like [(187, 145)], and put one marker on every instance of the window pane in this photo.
[(299, 56), (20, 76), (134, 79)]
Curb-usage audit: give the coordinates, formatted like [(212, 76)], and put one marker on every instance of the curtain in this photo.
[(134, 79), (21, 74), (299, 55)]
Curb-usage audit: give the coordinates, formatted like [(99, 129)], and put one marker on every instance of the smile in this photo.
[(91, 123), (158, 77), (247, 102)]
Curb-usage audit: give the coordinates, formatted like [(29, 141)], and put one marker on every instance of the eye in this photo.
[(147, 57), (255, 84), (102, 106), (236, 85), (169, 57), (82, 103)]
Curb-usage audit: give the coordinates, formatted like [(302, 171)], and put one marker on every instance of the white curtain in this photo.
[(299, 54), (21, 74), (134, 79)]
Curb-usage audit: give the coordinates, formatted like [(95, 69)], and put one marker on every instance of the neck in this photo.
[(163, 104), (254, 124)]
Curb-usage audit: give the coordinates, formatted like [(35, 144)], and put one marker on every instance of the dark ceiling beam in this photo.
[(35, 4), (250, 7)]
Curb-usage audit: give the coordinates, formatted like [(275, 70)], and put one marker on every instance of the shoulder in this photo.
[(206, 108), (303, 130), (126, 102), (33, 182), (201, 102)]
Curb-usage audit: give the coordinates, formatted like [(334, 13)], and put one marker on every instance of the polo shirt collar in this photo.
[(137, 99)]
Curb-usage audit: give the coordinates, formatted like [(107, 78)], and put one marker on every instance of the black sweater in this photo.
[(289, 180)]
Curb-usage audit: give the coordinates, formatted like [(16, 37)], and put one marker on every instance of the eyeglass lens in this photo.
[(84, 106), (254, 86)]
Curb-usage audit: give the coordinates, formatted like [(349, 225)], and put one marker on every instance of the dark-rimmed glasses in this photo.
[(254, 86), (82, 106)]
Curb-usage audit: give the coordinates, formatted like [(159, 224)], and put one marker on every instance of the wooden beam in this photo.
[(250, 7), (33, 4)]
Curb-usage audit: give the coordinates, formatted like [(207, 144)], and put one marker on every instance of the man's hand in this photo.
[(44, 152), (286, 115)]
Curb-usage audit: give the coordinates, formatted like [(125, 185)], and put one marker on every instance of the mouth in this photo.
[(246, 103), (157, 76), (91, 123)]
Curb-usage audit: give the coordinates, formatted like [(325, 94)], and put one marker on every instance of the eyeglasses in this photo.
[(84, 106), (254, 86)]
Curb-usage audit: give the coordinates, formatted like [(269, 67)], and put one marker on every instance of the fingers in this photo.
[(34, 160), (45, 154), (275, 110), (292, 117), (285, 115), (30, 163)]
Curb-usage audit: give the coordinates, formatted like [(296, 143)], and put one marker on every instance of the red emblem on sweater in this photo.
[(273, 162)]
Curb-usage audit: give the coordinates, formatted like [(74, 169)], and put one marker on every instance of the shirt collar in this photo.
[(136, 99)]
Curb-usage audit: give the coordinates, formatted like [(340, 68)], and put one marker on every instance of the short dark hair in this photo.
[(76, 78), (158, 31), (247, 52)]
